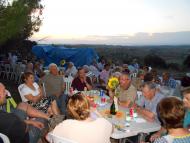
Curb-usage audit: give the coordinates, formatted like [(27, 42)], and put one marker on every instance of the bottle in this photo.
[(112, 109)]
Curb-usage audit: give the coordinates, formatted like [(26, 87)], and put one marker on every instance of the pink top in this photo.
[(97, 131)]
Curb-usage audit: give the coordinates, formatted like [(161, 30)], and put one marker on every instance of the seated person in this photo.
[(186, 122), (186, 102), (71, 70), (82, 128), (32, 94), (81, 81), (13, 127), (171, 112), (126, 91), (54, 87), (168, 81), (23, 111), (149, 101)]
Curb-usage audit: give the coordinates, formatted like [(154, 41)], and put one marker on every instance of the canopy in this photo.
[(54, 54)]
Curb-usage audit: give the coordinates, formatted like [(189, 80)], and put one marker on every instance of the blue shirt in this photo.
[(186, 119), (151, 105)]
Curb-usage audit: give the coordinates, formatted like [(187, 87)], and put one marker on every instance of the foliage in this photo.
[(19, 20), (186, 62), (154, 61), (174, 66)]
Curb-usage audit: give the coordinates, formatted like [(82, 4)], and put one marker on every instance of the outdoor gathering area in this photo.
[(94, 71)]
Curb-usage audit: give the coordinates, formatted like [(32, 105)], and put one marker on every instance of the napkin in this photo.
[(140, 120)]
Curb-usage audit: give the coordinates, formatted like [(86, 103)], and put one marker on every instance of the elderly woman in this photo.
[(82, 128), (31, 93), (172, 113)]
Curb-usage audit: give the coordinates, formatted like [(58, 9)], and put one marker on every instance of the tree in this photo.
[(154, 61), (186, 62), (19, 20)]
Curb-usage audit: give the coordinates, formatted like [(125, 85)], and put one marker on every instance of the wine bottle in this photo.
[(112, 109)]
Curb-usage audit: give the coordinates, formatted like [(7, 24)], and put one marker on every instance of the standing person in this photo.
[(81, 81), (172, 112), (82, 128)]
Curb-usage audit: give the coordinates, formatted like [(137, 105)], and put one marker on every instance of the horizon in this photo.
[(123, 22)]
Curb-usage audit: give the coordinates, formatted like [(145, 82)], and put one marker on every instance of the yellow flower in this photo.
[(62, 62), (113, 83)]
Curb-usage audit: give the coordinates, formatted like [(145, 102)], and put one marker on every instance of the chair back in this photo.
[(20, 92), (56, 139), (4, 138), (68, 81)]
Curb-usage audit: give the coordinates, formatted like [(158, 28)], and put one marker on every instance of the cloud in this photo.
[(168, 38)]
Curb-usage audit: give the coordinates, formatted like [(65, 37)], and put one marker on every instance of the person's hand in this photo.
[(37, 124), (155, 136)]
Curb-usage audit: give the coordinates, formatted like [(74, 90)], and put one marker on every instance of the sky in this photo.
[(123, 22)]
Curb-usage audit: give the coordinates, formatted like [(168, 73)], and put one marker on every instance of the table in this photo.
[(134, 127)]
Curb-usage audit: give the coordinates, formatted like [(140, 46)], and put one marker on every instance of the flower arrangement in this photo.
[(113, 82), (62, 62)]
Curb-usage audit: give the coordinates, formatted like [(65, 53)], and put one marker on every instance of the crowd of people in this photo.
[(47, 109)]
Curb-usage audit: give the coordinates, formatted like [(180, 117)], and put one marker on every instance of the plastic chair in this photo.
[(56, 139), (4, 138), (19, 90), (68, 82)]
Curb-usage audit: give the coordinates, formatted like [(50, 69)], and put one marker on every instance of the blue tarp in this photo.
[(54, 54)]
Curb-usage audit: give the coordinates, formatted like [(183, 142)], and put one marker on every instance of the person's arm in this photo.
[(88, 83), (36, 124), (148, 115), (32, 98), (158, 134), (124, 103)]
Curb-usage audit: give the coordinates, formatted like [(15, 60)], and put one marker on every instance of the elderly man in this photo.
[(71, 70), (54, 87), (126, 91), (149, 101), (22, 111), (81, 81)]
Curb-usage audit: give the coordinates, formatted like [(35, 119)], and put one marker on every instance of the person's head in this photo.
[(28, 77), (148, 77), (70, 64), (171, 111), (124, 80), (107, 67), (78, 107), (165, 76), (2, 93), (149, 90), (81, 73), (53, 69), (141, 74), (186, 97)]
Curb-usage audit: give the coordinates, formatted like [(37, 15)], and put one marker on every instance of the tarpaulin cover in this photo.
[(54, 54)]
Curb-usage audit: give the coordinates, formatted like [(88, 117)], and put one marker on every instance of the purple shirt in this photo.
[(77, 84)]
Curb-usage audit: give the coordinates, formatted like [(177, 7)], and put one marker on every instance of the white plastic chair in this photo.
[(4, 138), (68, 81), (19, 90), (56, 139)]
